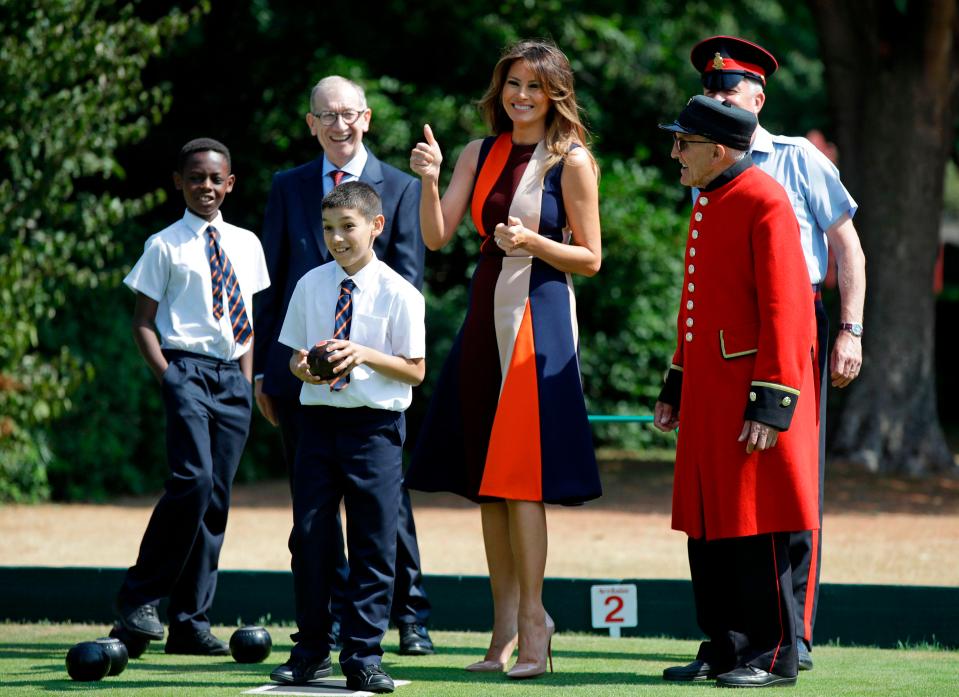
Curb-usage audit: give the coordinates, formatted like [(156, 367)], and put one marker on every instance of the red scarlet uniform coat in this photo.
[(746, 334)]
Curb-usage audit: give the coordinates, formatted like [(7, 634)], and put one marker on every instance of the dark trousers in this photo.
[(410, 602), (741, 588), (805, 548), (208, 404), (354, 456)]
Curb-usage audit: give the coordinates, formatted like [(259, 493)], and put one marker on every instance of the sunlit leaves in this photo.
[(70, 95)]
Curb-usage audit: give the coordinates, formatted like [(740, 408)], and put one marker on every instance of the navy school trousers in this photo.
[(208, 405), (744, 604), (354, 456), (410, 602)]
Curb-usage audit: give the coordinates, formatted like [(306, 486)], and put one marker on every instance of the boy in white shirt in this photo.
[(371, 320), (195, 284)]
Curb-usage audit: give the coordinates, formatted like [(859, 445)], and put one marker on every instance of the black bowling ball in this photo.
[(250, 644), (118, 654), (135, 645), (88, 661), (319, 366)]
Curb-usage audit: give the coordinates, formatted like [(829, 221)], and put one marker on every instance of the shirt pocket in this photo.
[(735, 342), (370, 331)]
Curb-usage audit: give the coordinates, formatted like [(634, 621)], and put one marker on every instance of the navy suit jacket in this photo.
[(293, 244)]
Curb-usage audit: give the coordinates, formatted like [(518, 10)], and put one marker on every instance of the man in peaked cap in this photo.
[(736, 70), (742, 382), (725, 60)]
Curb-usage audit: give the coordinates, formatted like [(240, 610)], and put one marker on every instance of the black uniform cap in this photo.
[(725, 60), (722, 122)]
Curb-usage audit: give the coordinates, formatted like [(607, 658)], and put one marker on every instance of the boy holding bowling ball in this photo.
[(368, 323)]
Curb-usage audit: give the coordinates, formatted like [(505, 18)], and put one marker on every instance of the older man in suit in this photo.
[(293, 243)]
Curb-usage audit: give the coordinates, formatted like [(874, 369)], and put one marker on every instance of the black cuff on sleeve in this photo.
[(672, 387), (771, 404)]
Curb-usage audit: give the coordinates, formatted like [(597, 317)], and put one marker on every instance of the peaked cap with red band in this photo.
[(734, 56)]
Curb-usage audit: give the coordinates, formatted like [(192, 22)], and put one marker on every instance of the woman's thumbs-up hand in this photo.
[(426, 158)]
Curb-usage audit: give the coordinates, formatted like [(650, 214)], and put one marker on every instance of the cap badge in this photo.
[(718, 62)]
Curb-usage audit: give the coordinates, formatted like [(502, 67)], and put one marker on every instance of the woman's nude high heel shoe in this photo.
[(488, 666), (534, 669)]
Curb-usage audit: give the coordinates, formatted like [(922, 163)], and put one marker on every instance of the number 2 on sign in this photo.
[(618, 602)]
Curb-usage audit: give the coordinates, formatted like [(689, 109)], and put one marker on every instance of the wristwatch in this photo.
[(854, 328)]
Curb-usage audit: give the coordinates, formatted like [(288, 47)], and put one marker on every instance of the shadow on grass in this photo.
[(475, 653), (230, 674), (573, 667), (442, 674), (132, 687)]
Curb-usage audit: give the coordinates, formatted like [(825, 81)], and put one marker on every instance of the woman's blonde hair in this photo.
[(550, 65)]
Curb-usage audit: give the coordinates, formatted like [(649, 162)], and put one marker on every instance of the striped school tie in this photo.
[(341, 323), (224, 279)]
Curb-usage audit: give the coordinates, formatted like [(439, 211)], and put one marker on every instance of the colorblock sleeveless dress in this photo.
[(508, 418)]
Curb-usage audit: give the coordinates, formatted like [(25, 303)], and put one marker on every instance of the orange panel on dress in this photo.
[(487, 176), (513, 460)]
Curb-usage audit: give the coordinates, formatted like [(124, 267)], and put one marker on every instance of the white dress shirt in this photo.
[(351, 170), (388, 315), (174, 270)]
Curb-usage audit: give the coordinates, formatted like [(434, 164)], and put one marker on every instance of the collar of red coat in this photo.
[(730, 173)]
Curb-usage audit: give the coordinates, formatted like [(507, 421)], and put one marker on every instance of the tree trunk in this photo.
[(890, 76)]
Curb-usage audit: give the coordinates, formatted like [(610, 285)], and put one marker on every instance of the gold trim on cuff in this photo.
[(774, 386)]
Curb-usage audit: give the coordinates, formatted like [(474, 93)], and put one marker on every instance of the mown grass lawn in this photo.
[(32, 663)]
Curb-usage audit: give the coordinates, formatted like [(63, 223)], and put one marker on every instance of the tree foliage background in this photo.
[(71, 96), (98, 97)]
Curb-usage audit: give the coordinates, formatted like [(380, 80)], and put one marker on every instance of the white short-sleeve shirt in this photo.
[(388, 315), (174, 270)]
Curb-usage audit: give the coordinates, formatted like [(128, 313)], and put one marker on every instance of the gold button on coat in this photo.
[(691, 287), (689, 336), (689, 304), (786, 401), (695, 234), (752, 396), (698, 216), (703, 200)]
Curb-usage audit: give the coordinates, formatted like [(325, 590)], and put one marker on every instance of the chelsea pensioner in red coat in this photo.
[(746, 332)]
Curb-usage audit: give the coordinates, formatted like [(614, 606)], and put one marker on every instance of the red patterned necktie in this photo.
[(224, 280), (341, 323), (337, 175)]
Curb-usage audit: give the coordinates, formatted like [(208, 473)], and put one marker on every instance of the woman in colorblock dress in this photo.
[(507, 426)]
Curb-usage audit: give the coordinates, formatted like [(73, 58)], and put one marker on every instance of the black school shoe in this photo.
[(415, 640), (136, 645), (195, 643), (141, 620), (692, 672), (750, 676), (302, 671), (370, 678)]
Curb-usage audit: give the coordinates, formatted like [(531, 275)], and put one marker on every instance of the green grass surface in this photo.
[(32, 663)]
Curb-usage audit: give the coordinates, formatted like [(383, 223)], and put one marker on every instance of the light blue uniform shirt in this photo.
[(812, 182), (351, 170)]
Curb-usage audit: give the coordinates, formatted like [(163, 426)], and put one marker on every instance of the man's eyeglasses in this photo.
[(328, 118), (681, 144)]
